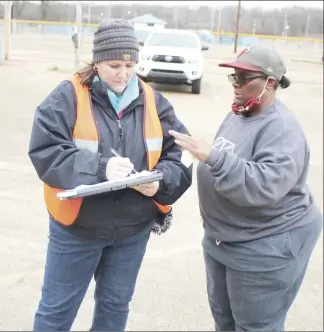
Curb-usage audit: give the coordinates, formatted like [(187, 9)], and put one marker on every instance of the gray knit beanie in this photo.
[(115, 40)]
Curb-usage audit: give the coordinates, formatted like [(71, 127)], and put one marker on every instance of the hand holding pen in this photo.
[(146, 189), (115, 153), (118, 167)]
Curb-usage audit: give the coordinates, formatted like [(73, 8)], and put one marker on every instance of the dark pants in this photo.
[(252, 285), (71, 263)]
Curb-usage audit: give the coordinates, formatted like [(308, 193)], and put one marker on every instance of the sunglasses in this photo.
[(242, 80)]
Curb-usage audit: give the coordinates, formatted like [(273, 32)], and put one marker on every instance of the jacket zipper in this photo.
[(121, 136)]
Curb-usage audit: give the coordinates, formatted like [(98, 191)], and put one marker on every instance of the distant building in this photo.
[(147, 22)]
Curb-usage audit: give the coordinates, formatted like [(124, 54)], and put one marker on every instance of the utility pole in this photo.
[(78, 22), (11, 16), (175, 17), (7, 29), (212, 19), (219, 20), (237, 25), (254, 27), (307, 25), (109, 11), (286, 26), (89, 12)]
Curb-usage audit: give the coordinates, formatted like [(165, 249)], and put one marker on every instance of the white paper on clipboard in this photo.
[(112, 185)]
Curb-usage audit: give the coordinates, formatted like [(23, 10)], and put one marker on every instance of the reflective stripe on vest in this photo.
[(153, 134), (85, 136), (92, 146), (154, 144)]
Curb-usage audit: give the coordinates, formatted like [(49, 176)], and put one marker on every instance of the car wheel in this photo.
[(196, 86)]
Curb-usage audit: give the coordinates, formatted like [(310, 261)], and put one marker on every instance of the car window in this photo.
[(172, 40), (142, 34)]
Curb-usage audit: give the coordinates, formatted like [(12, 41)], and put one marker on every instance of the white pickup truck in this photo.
[(172, 57)]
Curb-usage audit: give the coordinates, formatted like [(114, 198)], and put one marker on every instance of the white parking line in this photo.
[(214, 93)]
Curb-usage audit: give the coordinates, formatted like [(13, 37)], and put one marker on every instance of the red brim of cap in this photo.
[(239, 65)]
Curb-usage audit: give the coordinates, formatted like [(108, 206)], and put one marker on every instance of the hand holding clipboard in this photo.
[(132, 180)]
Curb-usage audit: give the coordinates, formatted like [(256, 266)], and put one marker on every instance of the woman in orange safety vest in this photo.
[(104, 106)]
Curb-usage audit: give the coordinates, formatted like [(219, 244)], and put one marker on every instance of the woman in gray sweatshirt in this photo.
[(261, 222)]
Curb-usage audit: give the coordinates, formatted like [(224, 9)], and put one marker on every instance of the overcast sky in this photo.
[(265, 4)]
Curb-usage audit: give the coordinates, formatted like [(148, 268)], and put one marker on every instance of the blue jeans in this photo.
[(252, 285), (71, 263)]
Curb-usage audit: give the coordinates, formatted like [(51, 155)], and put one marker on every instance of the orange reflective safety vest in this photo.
[(85, 136)]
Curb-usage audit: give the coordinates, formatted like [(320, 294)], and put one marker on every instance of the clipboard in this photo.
[(112, 185)]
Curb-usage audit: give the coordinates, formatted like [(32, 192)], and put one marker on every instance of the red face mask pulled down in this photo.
[(249, 104)]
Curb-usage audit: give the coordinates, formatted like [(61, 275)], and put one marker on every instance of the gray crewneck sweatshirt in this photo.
[(254, 182)]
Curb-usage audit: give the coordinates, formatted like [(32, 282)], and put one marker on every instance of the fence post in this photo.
[(78, 22), (7, 29)]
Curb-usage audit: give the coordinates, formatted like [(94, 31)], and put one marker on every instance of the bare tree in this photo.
[(44, 9), (17, 9), (302, 21)]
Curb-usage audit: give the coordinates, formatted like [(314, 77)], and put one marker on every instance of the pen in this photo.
[(114, 152)]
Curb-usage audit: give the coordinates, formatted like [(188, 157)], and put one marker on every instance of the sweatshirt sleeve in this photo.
[(55, 157), (262, 181), (176, 169)]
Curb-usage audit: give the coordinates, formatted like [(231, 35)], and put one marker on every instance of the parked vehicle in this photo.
[(172, 57)]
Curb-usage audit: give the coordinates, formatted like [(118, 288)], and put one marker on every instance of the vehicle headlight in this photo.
[(193, 61)]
